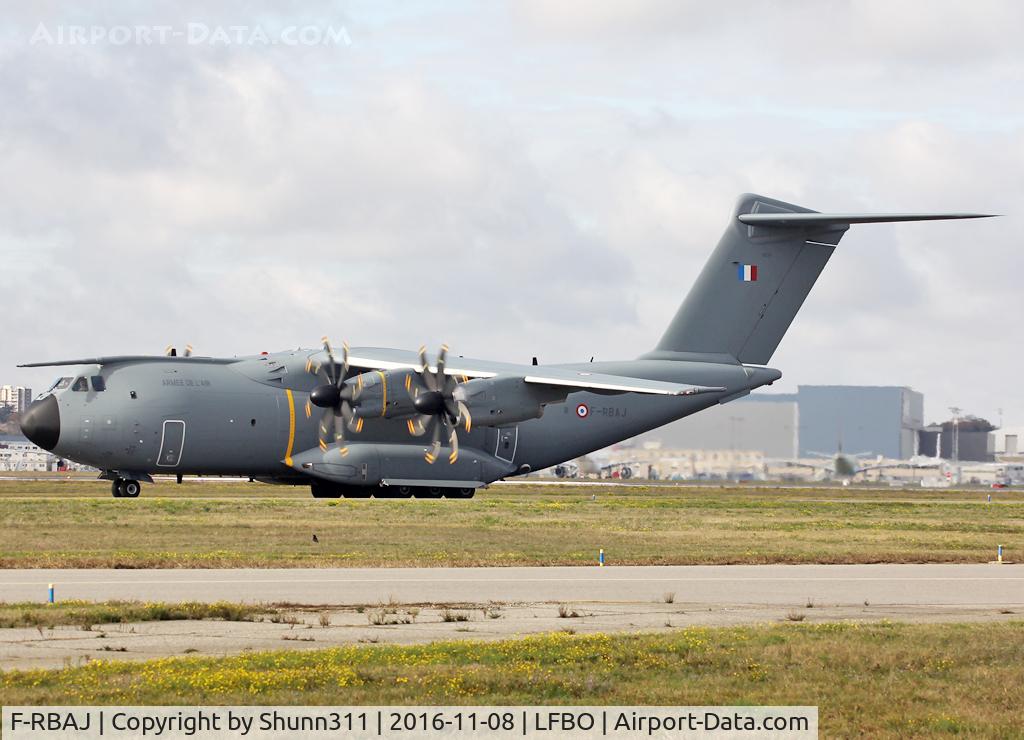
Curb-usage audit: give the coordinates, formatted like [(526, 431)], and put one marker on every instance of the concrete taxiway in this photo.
[(408, 605), (928, 584)]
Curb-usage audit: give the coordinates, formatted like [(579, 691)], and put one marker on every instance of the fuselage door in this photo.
[(507, 439), (171, 442)]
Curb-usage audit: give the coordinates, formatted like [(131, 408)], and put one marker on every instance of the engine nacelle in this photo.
[(382, 393), (506, 400)]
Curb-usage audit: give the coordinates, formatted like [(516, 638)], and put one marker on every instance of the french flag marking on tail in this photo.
[(747, 273)]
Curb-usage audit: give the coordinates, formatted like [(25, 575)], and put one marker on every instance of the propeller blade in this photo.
[(426, 377), (188, 350), (464, 416), (338, 435), (344, 363), (330, 359), (323, 431), (417, 426), (435, 447), (442, 360), (453, 441)]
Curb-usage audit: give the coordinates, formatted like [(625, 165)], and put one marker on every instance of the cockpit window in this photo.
[(60, 384), (98, 383), (80, 385)]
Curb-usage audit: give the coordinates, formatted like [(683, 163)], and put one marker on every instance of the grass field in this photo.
[(78, 524), (88, 613), (868, 680)]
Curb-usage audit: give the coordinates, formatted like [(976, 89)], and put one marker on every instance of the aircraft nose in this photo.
[(41, 423)]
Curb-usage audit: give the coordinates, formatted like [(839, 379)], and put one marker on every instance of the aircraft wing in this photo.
[(116, 359), (799, 464), (375, 358), (907, 465)]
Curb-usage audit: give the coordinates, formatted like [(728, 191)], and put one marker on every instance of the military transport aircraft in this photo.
[(366, 421)]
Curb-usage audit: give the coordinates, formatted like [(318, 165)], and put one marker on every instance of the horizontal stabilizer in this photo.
[(835, 219)]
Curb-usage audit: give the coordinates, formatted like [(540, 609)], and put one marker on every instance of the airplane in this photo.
[(845, 466), (392, 423), (585, 466), (837, 466), (581, 467)]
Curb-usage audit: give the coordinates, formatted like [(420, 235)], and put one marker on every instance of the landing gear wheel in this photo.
[(130, 488), (115, 487), (393, 492), (357, 492), (459, 492), (424, 492), (321, 491)]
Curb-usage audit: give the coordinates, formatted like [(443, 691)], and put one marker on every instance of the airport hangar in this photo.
[(879, 420)]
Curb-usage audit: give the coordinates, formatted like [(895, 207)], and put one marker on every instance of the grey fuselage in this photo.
[(248, 417)]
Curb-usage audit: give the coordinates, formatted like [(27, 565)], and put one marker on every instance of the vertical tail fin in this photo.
[(757, 278)]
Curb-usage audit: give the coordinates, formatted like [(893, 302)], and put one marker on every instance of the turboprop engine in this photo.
[(491, 401)]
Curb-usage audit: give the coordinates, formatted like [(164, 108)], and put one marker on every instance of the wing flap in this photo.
[(600, 382)]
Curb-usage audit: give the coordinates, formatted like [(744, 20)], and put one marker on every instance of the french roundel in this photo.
[(583, 411)]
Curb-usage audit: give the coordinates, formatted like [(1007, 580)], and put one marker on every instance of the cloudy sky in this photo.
[(533, 178)]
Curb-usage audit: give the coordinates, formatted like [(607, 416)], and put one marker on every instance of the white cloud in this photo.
[(534, 179)]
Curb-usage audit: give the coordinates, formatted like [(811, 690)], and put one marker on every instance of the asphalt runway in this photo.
[(977, 585)]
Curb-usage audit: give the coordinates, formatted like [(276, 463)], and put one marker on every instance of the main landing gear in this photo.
[(125, 488), (325, 490)]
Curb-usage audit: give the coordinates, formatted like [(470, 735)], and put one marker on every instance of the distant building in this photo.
[(767, 426), (1008, 441), (969, 440), (15, 397), (24, 398), (879, 420)]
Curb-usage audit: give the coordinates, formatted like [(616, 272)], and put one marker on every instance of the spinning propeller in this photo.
[(334, 397), (432, 397)]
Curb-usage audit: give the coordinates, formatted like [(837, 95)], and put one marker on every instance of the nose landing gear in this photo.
[(125, 488)]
